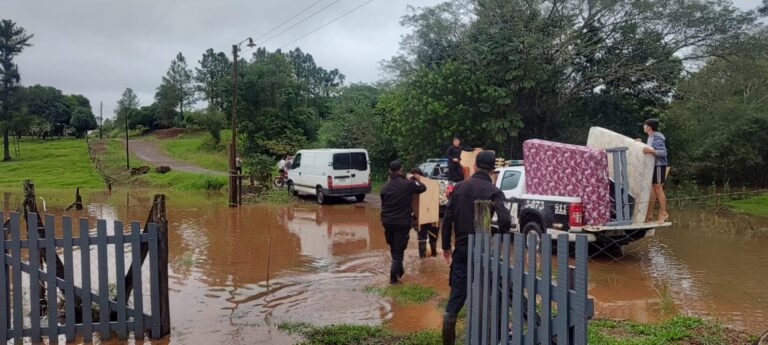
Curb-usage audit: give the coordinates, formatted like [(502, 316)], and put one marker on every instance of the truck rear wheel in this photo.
[(534, 226)]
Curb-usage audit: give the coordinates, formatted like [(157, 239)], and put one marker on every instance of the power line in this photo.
[(328, 23), (288, 20), (297, 23)]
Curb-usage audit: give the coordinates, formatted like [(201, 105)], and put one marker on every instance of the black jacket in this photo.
[(460, 212), (396, 199)]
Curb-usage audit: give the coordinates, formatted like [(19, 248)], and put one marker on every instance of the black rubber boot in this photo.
[(394, 271), (423, 248), (401, 269), (433, 245), (449, 329)]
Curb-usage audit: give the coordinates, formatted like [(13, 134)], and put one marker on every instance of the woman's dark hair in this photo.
[(653, 123)]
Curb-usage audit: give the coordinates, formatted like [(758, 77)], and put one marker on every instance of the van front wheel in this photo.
[(360, 197), (321, 198)]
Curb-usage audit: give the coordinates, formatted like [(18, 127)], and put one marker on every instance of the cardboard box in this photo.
[(426, 205)]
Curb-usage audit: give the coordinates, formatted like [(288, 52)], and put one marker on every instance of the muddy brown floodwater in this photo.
[(237, 273)]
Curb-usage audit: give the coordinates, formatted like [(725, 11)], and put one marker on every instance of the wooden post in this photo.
[(30, 206), (162, 236), (483, 216), (78, 204)]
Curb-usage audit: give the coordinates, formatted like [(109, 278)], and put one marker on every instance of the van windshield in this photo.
[(350, 161)]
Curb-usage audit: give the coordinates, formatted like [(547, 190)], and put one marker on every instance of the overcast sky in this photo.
[(98, 48)]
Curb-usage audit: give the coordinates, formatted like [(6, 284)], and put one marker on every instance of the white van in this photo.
[(330, 173)]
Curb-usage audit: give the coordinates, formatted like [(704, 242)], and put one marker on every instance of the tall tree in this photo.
[(177, 88), (212, 77), (13, 40), (49, 104), (126, 106)]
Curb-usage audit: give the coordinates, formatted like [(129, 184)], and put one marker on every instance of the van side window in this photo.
[(350, 161), (359, 161), (510, 180), (296, 161)]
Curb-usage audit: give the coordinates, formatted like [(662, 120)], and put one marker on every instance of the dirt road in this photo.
[(153, 154)]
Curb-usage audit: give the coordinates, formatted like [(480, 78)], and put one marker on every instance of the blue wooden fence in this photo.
[(514, 297), (20, 306)]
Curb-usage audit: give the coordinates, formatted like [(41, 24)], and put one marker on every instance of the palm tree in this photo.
[(13, 39)]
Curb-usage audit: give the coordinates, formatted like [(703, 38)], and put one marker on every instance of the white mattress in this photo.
[(639, 166)]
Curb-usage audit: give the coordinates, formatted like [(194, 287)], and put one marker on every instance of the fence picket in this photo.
[(34, 281), (505, 288), (580, 287), (495, 261), (18, 305), (545, 330), (562, 323), (4, 307), (530, 335), (101, 243), (476, 289), (154, 281), (138, 302), (120, 273), (470, 274), (85, 267), (50, 270), (517, 289), (486, 283), (69, 293)]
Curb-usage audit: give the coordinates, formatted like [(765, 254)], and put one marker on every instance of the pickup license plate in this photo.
[(615, 233)]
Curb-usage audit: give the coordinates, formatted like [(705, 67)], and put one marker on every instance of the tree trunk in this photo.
[(6, 146)]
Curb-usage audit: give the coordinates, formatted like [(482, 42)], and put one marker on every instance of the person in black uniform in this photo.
[(459, 219), (427, 232), (455, 172), (396, 211)]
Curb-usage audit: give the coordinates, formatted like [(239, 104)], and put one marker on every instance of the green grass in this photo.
[(756, 205), (61, 163), (357, 335), (677, 330), (404, 293), (191, 147)]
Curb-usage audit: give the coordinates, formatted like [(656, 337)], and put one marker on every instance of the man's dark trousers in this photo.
[(457, 280), (397, 238)]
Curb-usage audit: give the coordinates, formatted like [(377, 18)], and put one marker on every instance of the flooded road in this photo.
[(237, 273)]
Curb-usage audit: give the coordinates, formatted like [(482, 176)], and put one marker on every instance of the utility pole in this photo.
[(101, 121), (233, 188), (127, 156)]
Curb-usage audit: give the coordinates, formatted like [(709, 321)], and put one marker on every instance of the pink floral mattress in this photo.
[(558, 169)]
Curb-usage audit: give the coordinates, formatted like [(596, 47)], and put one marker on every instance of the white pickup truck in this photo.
[(561, 215)]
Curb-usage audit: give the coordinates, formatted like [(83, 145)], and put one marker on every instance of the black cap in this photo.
[(486, 160), (395, 165)]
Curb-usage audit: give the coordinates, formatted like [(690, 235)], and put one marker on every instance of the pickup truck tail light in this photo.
[(575, 214), (448, 190), (330, 182)]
